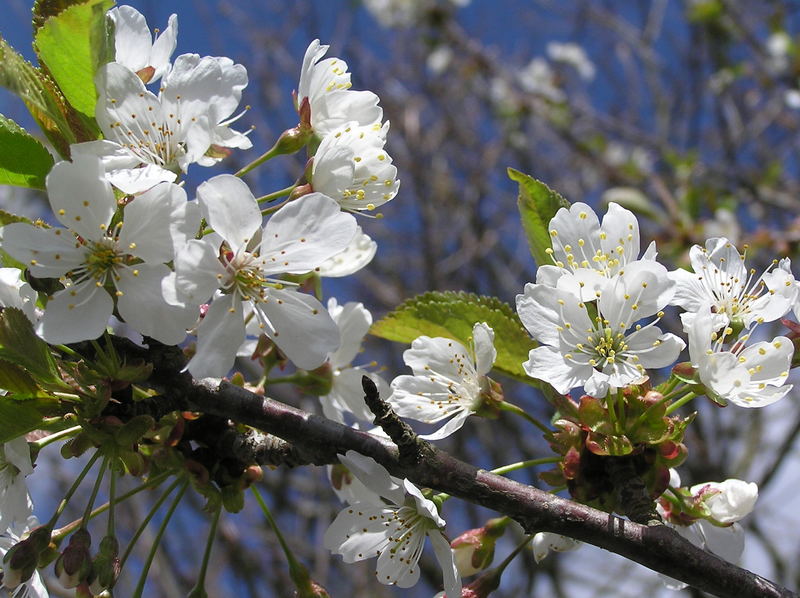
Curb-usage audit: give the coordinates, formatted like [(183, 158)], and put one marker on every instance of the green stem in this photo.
[(522, 464), (268, 155), (63, 532), (112, 501), (95, 489), (64, 501), (147, 519), (157, 540), (506, 406), (291, 379), (273, 209), (667, 387), (276, 194), (612, 412), (68, 351), (199, 587), (295, 567), (43, 442), (681, 402)]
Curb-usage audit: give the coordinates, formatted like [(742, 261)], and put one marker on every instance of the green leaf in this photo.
[(452, 315), (20, 345), (20, 417), (17, 381), (24, 161), (71, 44), (537, 204), (41, 96)]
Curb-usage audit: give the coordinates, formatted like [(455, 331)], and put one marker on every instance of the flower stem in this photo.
[(681, 402), (62, 532), (64, 501), (43, 442), (522, 464), (95, 489), (275, 150), (276, 194), (297, 571), (157, 540), (147, 519), (199, 586), (506, 406)]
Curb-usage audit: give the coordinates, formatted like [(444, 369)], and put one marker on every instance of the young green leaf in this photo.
[(41, 96), (20, 417), (71, 45), (537, 205), (24, 161), (452, 315), (20, 345)]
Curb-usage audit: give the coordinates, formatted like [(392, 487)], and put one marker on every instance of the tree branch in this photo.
[(320, 440)]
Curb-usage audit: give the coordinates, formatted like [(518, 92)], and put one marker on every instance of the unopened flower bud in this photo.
[(105, 566), (75, 563), (21, 560), (314, 590), (727, 502), (474, 549)]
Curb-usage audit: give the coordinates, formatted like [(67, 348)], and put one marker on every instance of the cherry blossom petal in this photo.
[(147, 231), (15, 292), (219, 334), (133, 42), (444, 555), (198, 270), (353, 258), (77, 313), (353, 320), (347, 394), (81, 197), (303, 234), (48, 252), (485, 353), (299, 325), (230, 208), (374, 476), (548, 364), (143, 306)]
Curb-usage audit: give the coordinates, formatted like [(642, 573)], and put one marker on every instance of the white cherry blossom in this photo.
[(326, 85), (585, 249), (104, 266), (603, 351), (149, 138), (449, 380), (241, 265), (15, 292), (135, 47), (352, 167), (353, 258), (347, 394), (729, 501), (15, 466), (721, 280), (544, 542), (31, 588), (748, 376), (392, 522)]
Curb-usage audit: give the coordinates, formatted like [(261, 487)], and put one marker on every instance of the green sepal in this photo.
[(537, 205), (24, 161), (452, 315)]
